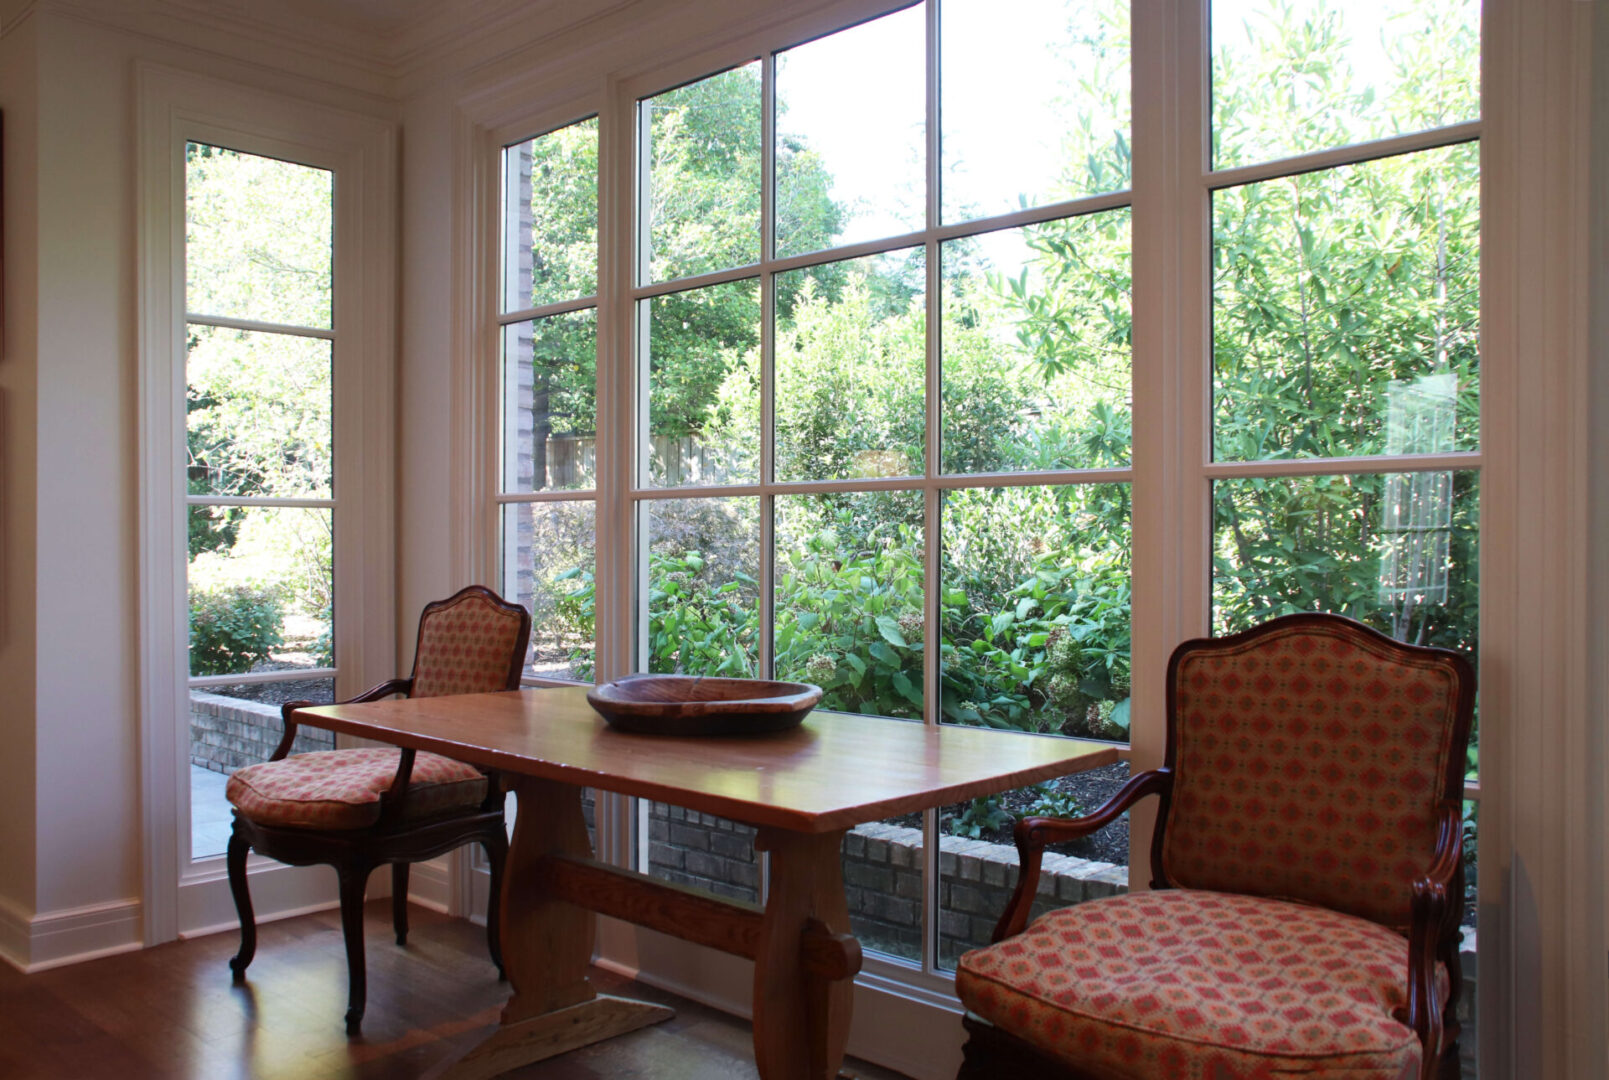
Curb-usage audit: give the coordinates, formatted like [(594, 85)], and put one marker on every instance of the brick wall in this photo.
[(882, 877), (226, 732), (883, 881), (710, 852)]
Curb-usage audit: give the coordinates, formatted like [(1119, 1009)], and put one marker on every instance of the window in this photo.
[(1345, 442), (877, 363), (259, 467)]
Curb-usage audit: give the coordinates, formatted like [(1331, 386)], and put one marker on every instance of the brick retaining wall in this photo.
[(882, 877), (226, 732)]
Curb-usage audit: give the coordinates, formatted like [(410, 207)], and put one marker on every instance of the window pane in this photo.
[(702, 850), (1036, 347), (703, 587), (850, 369), (1034, 97), (704, 385), (1305, 75), (549, 560), (1346, 310), (550, 403), (851, 143), (262, 589), (257, 414), (1396, 550), (257, 237), (849, 599), (1034, 615), (550, 217), (1034, 609), (704, 178)]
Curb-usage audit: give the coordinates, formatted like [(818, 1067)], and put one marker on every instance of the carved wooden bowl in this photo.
[(702, 705)]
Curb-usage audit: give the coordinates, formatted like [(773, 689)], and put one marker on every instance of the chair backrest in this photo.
[(473, 642), (1309, 757)]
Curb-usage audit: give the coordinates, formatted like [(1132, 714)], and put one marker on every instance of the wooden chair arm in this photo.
[(1032, 834), (381, 690), (373, 693), (1430, 909)]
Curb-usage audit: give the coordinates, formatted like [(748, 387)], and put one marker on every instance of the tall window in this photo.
[(549, 328), (880, 311), (1345, 186), (260, 342)]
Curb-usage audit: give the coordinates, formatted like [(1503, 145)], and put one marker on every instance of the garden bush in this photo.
[(233, 628)]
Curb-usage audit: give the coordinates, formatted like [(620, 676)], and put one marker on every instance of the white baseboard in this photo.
[(430, 886), (33, 943)]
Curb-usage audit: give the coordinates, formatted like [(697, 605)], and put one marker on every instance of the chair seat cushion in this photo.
[(340, 789), (1182, 984)]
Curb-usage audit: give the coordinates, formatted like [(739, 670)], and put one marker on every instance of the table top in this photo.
[(834, 771)]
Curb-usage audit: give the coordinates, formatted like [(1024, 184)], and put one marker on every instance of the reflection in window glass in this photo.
[(851, 369), (1036, 347), (262, 589), (704, 177), (1295, 76), (704, 385), (257, 414), (549, 559), (1034, 609), (1394, 550), (1332, 287), (550, 223), (851, 151), (849, 599), (1035, 103), (550, 408), (258, 237), (703, 587)]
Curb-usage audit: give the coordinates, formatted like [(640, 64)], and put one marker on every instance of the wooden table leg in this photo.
[(547, 947), (801, 1021)]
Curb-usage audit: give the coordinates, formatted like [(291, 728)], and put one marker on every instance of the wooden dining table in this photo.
[(801, 789)]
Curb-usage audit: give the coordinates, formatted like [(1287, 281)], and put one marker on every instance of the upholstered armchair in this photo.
[(1306, 876), (356, 809)]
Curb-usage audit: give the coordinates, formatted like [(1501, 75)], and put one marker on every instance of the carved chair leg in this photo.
[(496, 845), (353, 879), (239, 847), (399, 901)]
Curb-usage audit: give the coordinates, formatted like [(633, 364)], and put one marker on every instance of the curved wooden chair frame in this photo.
[(394, 838), (1437, 894)]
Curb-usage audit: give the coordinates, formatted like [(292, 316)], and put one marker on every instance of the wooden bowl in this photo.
[(702, 705)]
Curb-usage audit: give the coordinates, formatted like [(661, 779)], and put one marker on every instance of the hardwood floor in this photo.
[(170, 1013)]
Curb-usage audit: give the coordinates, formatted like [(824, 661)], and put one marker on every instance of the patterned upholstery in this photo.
[(1309, 763), (1183, 984), (340, 789), (465, 648)]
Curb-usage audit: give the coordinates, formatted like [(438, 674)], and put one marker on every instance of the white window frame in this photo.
[(182, 895), (1543, 872)]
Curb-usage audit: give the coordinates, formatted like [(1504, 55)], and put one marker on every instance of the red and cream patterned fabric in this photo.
[(1308, 766), (340, 789), (465, 649), (1181, 984)]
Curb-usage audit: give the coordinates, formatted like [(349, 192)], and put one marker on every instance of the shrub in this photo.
[(233, 627)]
